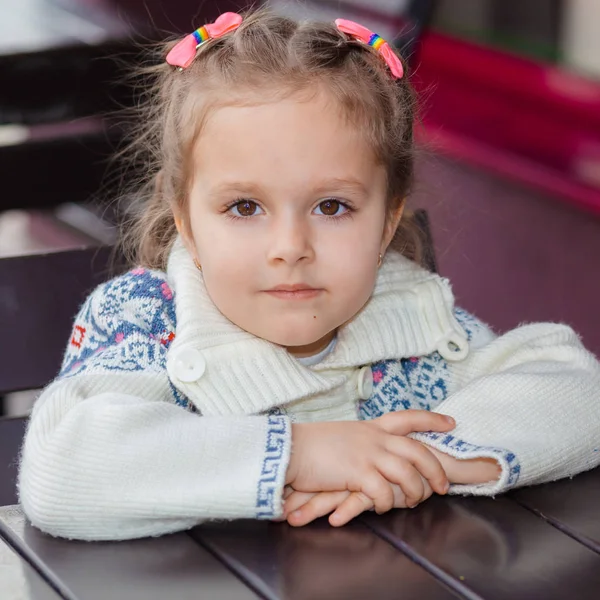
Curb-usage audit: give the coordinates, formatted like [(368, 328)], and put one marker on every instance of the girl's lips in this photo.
[(294, 294)]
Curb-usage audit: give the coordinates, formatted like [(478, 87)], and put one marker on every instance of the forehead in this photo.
[(293, 139)]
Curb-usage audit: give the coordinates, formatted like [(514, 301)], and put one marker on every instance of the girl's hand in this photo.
[(369, 457), (301, 507)]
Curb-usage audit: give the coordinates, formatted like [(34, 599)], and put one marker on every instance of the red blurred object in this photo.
[(529, 121)]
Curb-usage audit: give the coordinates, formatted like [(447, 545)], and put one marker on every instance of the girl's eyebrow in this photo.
[(334, 184), (342, 183), (236, 186)]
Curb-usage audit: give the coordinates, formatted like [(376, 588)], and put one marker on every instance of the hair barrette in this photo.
[(184, 52), (366, 36)]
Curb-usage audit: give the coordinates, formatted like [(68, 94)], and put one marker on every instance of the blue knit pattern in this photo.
[(278, 433), (128, 324), (413, 383)]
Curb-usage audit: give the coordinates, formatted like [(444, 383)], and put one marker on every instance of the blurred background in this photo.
[(509, 162)]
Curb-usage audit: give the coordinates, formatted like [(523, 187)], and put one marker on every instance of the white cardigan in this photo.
[(111, 452)]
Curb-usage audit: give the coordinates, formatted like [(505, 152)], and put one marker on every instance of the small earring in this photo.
[(380, 260), (198, 265)]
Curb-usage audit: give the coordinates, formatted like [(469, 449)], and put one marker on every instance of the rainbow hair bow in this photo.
[(366, 36), (184, 52)]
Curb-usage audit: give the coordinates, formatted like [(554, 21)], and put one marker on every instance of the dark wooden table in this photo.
[(541, 542)]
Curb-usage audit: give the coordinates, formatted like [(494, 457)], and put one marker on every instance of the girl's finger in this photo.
[(428, 490), (319, 505), (298, 498), (354, 505), (403, 473), (423, 460), (403, 422), (376, 487), (295, 500)]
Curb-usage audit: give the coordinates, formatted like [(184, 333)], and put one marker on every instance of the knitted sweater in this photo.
[(165, 413)]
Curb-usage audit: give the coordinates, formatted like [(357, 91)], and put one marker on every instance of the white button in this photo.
[(187, 365), (365, 383), (454, 348)]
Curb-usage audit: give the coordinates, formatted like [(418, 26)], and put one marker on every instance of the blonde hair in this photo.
[(274, 56)]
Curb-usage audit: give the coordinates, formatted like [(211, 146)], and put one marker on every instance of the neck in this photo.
[(311, 349)]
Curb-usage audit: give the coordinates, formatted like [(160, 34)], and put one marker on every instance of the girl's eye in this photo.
[(245, 208), (332, 208)]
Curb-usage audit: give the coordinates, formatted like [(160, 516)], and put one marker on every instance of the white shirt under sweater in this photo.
[(315, 359), (112, 453)]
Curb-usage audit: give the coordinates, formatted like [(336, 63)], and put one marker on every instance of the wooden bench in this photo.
[(472, 548)]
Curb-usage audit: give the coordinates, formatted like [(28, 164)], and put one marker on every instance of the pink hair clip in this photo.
[(184, 52), (373, 39)]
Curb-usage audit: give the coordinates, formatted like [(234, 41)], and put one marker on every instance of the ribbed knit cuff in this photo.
[(278, 445), (462, 450)]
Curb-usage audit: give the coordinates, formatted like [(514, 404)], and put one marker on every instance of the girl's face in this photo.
[(287, 216)]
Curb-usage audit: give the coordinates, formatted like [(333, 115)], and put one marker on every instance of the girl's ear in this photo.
[(178, 219), (391, 225), (183, 231), (175, 210), (178, 224)]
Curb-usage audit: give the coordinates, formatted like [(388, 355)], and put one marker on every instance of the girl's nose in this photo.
[(290, 243)]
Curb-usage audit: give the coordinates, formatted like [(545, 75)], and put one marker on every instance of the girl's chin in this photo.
[(299, 340), (305, 346)]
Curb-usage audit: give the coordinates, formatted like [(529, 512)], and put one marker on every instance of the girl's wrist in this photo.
[(292, 469), (468, 471)]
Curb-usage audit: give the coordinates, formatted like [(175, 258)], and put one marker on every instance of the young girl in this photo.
[(274, 355)]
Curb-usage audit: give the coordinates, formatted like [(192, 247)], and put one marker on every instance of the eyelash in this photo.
[(347, 205)]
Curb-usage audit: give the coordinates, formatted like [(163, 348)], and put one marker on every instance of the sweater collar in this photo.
[(410, 313)]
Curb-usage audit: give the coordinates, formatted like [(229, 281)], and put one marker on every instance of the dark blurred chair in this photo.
[(427, 258), (41, 294), (39, 298)]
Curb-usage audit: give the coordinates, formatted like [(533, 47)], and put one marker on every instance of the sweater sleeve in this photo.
[(111, 451), (529, 398)]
